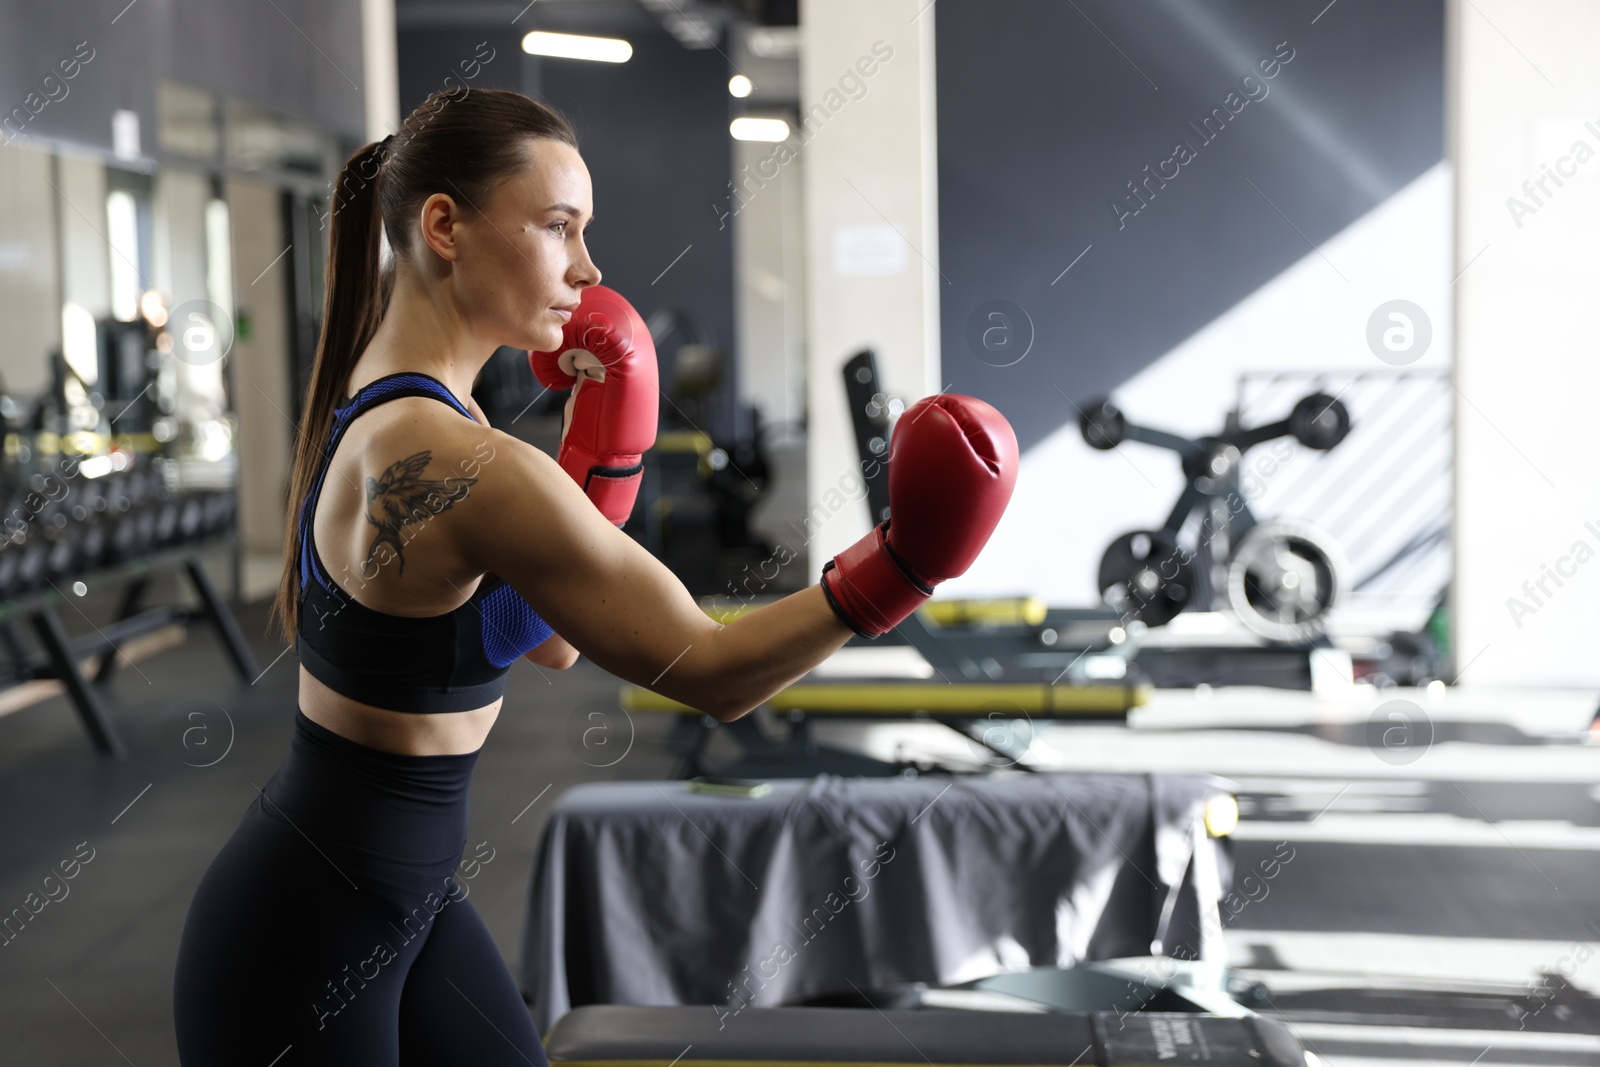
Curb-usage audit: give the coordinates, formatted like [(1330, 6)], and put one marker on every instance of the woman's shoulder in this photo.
[(420, 436), (415, 419)]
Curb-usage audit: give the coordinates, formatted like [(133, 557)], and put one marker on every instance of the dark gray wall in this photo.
[(431, 58), (654, 134), (1044, 118), (301, 57)]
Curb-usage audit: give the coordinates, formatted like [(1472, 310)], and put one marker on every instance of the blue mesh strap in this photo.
[(510, 627), (389, 387)]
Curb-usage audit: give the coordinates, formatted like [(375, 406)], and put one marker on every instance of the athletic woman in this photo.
[(426, 552)]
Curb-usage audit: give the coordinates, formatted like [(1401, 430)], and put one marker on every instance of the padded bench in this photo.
[(703, 1036)]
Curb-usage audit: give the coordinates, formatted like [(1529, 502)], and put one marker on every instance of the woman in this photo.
[(427, 551)]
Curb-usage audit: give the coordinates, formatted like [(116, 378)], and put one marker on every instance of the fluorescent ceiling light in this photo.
[(748, 129), (573, 46), (740, 86)]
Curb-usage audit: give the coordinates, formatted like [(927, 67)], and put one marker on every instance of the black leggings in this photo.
[(333, 927)]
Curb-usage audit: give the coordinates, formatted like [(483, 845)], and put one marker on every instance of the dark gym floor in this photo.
[(1500, 883), (89, 979)]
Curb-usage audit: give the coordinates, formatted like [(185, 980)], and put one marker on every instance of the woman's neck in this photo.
[(422, 332)]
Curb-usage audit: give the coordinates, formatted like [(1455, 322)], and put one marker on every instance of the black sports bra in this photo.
[(451, 662)]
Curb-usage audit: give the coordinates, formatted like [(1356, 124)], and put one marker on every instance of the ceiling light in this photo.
[(573, 46), (740, 86), (774, 42), (748, 129)]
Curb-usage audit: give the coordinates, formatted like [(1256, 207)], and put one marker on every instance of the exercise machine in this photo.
[(1279, 578)]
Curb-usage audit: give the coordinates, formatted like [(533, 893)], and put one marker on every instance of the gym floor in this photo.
[(1467, 869)]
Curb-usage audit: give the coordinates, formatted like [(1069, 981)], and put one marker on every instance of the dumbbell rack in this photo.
[(63, 656)]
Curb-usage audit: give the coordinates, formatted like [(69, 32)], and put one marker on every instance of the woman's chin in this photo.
[(547, 337)]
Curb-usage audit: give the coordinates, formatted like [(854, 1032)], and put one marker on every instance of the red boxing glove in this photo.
[(608, 361), (953, 464)]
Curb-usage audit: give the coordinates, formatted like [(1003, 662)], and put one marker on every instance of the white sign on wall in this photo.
[(876, 248)]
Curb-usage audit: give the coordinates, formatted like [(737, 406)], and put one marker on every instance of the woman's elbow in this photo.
[(724, 708), (558, 659)]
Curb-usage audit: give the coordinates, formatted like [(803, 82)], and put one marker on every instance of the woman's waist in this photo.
[(404, 807), (403, 732)]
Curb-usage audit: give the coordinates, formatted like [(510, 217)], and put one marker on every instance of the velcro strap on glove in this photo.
[(614, 489), (870, 588)]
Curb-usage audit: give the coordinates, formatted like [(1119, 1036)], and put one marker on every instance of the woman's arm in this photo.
[(525, 520)]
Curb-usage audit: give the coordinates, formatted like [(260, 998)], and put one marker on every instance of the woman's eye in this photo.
[(561, 232)]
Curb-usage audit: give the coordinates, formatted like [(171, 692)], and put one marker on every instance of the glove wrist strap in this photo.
[(870, 587)]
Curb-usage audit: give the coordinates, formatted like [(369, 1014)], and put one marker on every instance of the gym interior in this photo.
[(1262, 730)]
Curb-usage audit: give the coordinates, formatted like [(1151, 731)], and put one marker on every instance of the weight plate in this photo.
[(1283, 579), (1319, 421), (1144, 575), (1103, 426)]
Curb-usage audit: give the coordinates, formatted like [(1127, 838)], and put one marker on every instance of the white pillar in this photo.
[(1524, 130), (265, 441), (769, 289), (871, 233), (380, 65), (30, 297)]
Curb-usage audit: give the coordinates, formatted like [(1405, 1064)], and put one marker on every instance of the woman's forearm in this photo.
[(737, 667)]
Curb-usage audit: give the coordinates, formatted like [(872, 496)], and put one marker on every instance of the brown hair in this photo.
[(459, 142)]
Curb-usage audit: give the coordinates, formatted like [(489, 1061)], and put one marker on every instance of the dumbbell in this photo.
[(215, 514), (227, 510), (122, 537), (26, 543), (92, 549), (167, 514), (8, 569), (144, 524), (118, 499), (91, 493), (137, 484), (191, 517), (62, 537), (90, 521), (33, 562)]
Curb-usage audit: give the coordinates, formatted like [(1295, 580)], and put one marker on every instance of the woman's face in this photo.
[(521, 256)]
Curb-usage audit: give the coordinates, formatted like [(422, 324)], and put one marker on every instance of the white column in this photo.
[(86, 255), (30, 300), (769, 288), (1525, 132), (261, 382), (380, 64), (871, 233)]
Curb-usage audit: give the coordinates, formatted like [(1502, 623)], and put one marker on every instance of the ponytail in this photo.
[(352, 308), (460, 141)]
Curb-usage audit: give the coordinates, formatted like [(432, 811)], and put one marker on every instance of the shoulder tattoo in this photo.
[(403, 498)]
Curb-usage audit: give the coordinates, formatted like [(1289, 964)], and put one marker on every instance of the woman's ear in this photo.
[(437, 220)]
